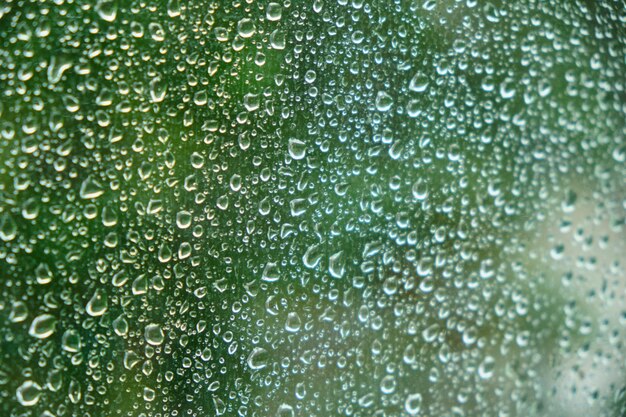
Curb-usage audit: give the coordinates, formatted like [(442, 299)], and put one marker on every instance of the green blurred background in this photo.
[(317, 208)]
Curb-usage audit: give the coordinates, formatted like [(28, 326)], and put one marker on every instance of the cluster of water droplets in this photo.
[(294, 208)]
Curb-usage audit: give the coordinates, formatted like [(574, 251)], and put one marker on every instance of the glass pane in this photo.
[(312, 208)]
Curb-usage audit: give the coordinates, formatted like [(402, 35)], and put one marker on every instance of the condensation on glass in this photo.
[(312, 208)]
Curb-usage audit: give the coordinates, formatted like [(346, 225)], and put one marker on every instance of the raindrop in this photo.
[(8, 227), (270, 272), (154, 334), (336, 264), (107, 10), (42, 326), (297, 149), (413, 404), (419, 82), (246, 28), (29, 393), (293, 323), (97, 304), (257, 359), (90, 188), (383, 101), (274, 12)]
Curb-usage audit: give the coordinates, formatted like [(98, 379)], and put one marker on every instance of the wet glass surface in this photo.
[(312, 208)]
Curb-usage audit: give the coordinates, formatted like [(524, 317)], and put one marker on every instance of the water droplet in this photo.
[(293, 323), (140, 285), (285, 410), (486, 367), (90, 188), (43, 274), (246, 28), (158, 90), (28, 393), (419, 82), (270, 272), (300, 390), (257, 359), (274, 12), (70, 341), (97, 305), (336, 264), (8, 227), (297, 149), (235, 182), (312, 256), (19, 312), (58, 65), (107, 10), (120, 326), (413, 404), (383, 101), (156, 31), (154, 334), (388, 384), (42, 326), (278, 40), (183, 219), (251, 101), (148, 394)]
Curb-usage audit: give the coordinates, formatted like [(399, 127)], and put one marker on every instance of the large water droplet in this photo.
[(97, 305), (274, 12), (383, 101), (28, 393), (270, 272), (90, 188), (42, 326), (297, 149), (257, 358), (413, 404), (336, 264), (154, 334), (8, 227), (246, 28), (107, 10), (419, 82)]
